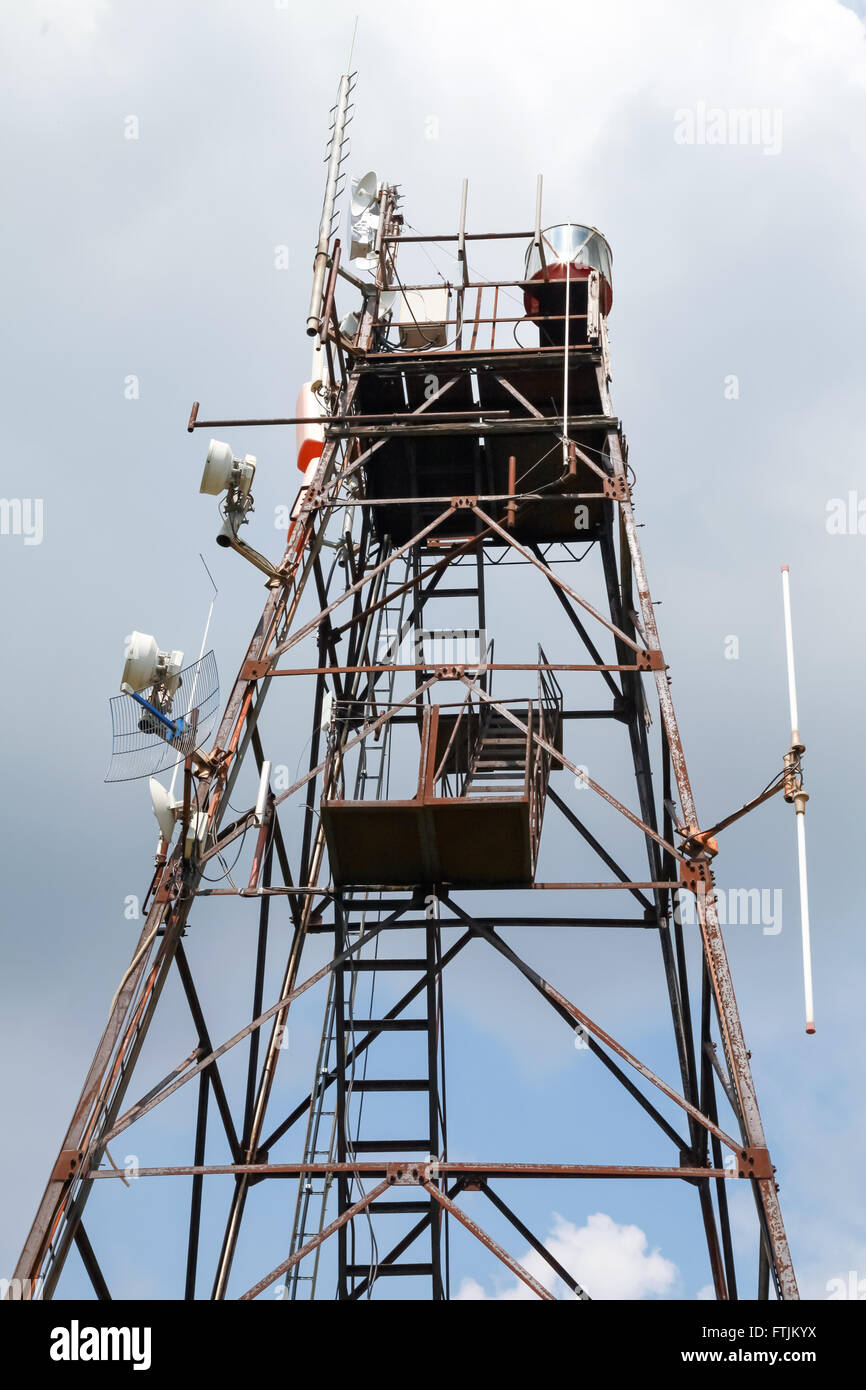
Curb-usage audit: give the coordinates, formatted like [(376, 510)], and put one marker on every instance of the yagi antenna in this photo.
[(337, 154), (794, 792)]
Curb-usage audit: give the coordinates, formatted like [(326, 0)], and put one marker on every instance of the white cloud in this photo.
[(609, 1260), (471, 1292)]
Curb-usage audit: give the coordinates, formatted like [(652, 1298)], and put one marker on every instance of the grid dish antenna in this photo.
[(154, 731)]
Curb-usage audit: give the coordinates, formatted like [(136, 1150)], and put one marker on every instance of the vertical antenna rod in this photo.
[(538, 239), (179, 764), (338, 139), (565, 369), (799, 798)]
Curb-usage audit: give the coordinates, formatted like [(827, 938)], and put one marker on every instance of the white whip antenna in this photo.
[(795, 793), (198, 664), (352, 46)]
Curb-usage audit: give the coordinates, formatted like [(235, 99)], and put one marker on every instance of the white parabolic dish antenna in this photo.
[(364, 192)]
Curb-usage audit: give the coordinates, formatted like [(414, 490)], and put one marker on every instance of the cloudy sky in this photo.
[(162, 171)]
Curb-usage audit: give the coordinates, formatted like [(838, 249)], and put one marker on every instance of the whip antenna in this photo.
[(795, 793)]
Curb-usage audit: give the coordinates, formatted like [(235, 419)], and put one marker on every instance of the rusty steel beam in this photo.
[(361, 1047), (313, 623), (565, 1007), (490, 1243), (383, 668), (207, 1063), (272, 1052), (538, 1246), (714, 946), (234, 731), (572, 767), (315, 1241), (401, 1247), (446, 1167), (91, 1264), (555, 579)]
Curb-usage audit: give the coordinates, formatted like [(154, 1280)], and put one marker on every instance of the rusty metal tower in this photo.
[(438, 451)]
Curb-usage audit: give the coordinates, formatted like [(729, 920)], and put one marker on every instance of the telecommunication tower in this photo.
[(456, 430)]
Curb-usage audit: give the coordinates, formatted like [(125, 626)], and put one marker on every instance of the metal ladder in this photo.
[(499, 759), (358, 1275), (312, 1198)]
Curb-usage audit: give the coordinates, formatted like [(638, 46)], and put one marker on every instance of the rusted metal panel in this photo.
[(442, 840)]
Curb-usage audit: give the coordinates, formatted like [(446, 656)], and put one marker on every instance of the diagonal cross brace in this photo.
[(560, 1001)]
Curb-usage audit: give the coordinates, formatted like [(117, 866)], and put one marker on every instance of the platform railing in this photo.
[(481, 316)]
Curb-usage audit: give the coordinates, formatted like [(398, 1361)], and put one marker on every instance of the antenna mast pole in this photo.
[(342, 117)]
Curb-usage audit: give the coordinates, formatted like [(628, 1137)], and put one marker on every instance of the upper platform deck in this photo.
[(472, 389)]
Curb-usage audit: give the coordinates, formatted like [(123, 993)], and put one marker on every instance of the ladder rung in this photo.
[(452, 593), (493, 790), (494, 785), (386, 1025), (413, 1208), (495, 772), (403, 964), (375, 1146), (491, 794), (398, 1084), (362, 906)]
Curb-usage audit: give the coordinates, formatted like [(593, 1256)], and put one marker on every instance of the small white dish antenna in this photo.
[(165, 808), (168, 812), (387, 303), (365, 216), (365, 192), (140, 661), (144, 665), (224, 473)]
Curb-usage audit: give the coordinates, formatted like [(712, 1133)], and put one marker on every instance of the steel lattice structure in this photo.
[(449, 456)]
